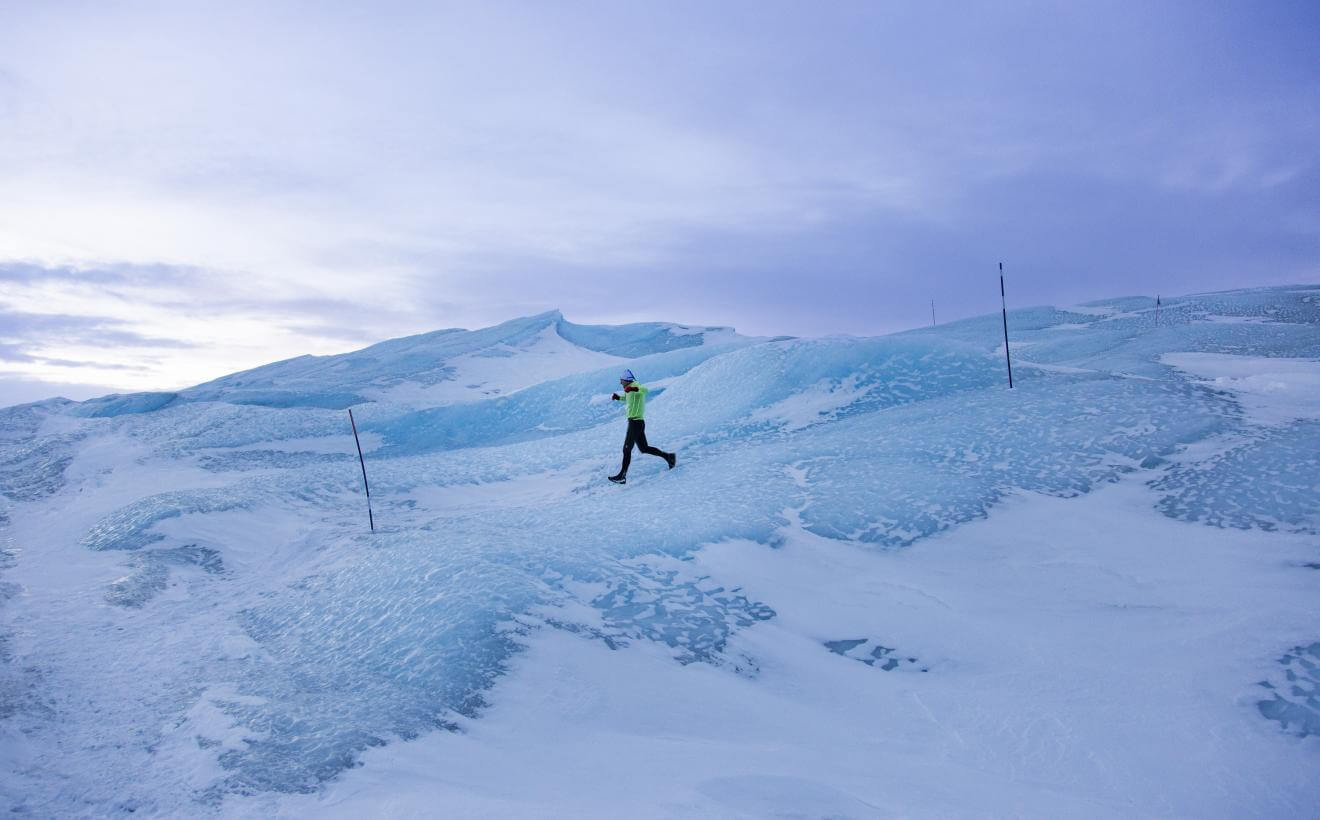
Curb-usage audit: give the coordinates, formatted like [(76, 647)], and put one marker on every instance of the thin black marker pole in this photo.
[(1004, 305), (932, 313), (370, 518)]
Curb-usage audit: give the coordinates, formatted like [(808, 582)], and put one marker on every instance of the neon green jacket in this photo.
[(635, 401)]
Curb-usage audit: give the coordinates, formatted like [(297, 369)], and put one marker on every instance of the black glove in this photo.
[(614, 396)]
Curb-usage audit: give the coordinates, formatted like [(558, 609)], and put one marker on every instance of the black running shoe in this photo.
[(619, 479), (672, 458)]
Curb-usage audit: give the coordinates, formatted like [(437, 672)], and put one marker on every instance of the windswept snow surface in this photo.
[(878, 583)]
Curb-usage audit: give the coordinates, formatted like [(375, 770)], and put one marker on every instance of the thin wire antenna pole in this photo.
[(371, 520), (1004, 307)]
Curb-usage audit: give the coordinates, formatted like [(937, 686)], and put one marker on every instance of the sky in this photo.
[(191, 189)]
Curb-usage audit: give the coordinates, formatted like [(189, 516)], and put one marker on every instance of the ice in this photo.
[(130, 527), (694, 616), (228, 522), (545, 410), (120, 405), (21, 422), (267, 459), (1269, 480), (871, 653), (633, 341), (31, 465), (431, 359), (150, 572), (35, 468), (204, 428), (1295, 699), (500, 370)]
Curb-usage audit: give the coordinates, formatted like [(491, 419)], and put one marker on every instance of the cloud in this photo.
[(309, 179), (14, 353), (103, 273), (93, 365), (90, 330), (16, 388)]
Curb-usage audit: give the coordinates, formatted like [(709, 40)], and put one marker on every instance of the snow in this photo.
[(500, 370), (1273, 391), (1071, 670), (815, 404), (878, 583), (1097, 310), (1233, 319)]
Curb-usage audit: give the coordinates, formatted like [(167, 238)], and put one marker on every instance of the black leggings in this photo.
[(637, 435)]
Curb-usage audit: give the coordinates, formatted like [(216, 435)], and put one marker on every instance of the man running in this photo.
[(634, 398)]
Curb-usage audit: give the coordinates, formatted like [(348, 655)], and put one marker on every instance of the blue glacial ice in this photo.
[(1295, 694), (1283, 492), (32, 466), (132, 527), (335, 382), (123, 405), (150, 572), (877, 442)]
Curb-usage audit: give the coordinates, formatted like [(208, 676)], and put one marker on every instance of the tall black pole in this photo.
[(370, 518), (932, 313), (1004, 306)]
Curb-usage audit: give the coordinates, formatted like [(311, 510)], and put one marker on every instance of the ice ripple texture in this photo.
[(875, 442)]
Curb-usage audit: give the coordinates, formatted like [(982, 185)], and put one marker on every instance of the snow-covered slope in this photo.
[(878, 581)]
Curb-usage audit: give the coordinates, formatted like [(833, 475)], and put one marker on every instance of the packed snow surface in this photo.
[(878, 583)]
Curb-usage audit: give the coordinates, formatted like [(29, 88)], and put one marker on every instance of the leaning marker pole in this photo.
[(1004, 306), (361, 461)]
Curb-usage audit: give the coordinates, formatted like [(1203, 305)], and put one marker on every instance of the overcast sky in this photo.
[(189, 189)]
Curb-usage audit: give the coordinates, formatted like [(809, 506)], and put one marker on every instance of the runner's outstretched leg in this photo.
[(643, 446), (670, 458)]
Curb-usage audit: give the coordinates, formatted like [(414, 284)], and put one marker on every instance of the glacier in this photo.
[(197, 620)]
